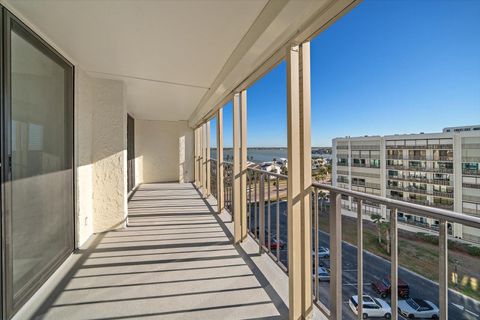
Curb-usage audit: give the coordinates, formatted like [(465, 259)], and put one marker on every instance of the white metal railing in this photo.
[(266, 195), (443, 216), (266, 205)]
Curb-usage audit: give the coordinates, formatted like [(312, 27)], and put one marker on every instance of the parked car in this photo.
[(323, 274), (384, 287), (418, 308), (372, 307), (274, 244), (322, 253)]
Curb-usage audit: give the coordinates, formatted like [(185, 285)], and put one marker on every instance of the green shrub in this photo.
[(473, 251)]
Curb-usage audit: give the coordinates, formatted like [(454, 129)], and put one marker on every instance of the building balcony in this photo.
[(138, 221), (397, 167), (445, 206), (359, 165), (417, 157), (431, 146), (471, 186), (175, 260), (443, 158), (442, 182), (471, 172), (443, 194), (394, 157)]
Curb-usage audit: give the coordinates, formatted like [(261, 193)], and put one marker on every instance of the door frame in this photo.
[(9, 23)]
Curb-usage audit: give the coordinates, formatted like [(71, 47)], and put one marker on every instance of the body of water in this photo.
[(259, 155)]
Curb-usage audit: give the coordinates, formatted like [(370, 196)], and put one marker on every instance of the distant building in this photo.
[(436, 169), (462, 129)]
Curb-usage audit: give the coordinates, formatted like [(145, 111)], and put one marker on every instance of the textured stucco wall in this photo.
[(109, 155), (100, 135), (163, 151)]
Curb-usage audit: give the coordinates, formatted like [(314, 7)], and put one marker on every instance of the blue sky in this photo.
[(386, 67)]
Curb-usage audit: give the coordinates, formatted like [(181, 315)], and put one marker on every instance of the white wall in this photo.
[(100, 134), (163, 151)]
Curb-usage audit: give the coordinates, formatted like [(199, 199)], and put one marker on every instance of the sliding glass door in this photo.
[(38, 153)]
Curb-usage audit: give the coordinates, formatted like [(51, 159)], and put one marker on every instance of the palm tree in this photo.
[(383, 226), (377, 219)]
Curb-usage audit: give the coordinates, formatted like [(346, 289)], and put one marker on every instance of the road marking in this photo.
[(462, 308)]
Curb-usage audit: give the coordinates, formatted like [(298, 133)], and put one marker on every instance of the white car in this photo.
[(323, 274), (417, 308), (372, 307), (322, 253)]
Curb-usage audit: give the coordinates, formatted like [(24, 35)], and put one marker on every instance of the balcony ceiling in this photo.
[(177, 58)]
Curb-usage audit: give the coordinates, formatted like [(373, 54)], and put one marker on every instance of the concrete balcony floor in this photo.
[(174, 261)]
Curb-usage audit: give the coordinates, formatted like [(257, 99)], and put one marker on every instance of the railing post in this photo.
[(220, 181), (336, 256), (316, 247), (243, 164), (443, 269), (261, 220), (237, 196), (360, 258), (394, 262)]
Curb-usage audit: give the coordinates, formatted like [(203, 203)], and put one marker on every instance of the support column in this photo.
[(208, 187), (236, 170), (299, 182), (200, 162), (306, 179), (220, 195), (195, 133), (243, 163)]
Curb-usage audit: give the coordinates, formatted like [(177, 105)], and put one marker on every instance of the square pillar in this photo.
[(236, 170), (202, 157), (299, 182), (220, 195), (195, 157), (207, 160), (243, 163), (198, 157)]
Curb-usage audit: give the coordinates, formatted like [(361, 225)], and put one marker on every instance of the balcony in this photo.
[(443, 194), (175, 260), (394, 156), (471, 172), (397, 167), (137, 220), (417, 157)]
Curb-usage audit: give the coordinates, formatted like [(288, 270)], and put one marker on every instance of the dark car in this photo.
[(384, 287), (274, 245)]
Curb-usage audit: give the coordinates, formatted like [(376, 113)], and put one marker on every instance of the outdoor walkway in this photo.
[(175, 261)]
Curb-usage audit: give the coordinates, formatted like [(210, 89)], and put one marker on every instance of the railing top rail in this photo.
[(269, 173), (436, 213)]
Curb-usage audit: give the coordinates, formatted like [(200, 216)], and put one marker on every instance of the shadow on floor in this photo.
[(152, 273)]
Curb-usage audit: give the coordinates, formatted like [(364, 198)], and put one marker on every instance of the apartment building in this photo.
[(437, 169)]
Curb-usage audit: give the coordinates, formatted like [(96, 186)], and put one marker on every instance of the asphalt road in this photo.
[(460, 306)]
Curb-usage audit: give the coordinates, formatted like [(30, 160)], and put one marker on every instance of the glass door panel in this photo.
[(40, 147)]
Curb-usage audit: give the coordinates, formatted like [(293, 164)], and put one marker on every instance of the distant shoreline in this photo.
[(272, 148)]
